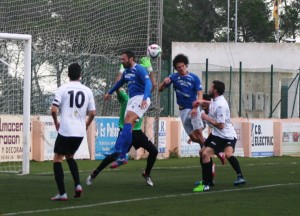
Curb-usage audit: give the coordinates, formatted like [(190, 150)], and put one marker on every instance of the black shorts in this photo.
[(67, 145), (218, 144)]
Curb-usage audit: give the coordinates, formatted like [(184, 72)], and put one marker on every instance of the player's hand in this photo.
[(196, 103), (167, 80), (107, 96), (194, 112), (144, 104), (146, 63)]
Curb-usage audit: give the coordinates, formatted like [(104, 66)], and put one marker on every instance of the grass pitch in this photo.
[(273, 188)]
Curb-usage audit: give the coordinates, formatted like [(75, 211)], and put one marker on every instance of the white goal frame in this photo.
[(27, 95)]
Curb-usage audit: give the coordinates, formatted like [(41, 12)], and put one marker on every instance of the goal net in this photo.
[(92, 33), (15, 80)]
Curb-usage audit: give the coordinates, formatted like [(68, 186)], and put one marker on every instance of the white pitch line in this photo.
[(146, 198), (180, 167)]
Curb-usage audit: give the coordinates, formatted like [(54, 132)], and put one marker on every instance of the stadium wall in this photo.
[(255, 138)]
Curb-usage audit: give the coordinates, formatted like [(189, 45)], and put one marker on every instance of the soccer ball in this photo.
[(153, 51)]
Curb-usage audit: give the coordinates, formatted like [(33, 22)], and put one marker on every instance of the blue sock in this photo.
[(125, 138)]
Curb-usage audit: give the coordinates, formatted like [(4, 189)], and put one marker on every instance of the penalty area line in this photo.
[(146, 198)]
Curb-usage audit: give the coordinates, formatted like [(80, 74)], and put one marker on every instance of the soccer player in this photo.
[(139, 139), (73, 100), (222, 138), (139, 87), (188, 89), (146, 63)]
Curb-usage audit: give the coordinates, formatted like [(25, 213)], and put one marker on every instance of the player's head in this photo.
[(74, 71), (217, 88), (205, 106), (127, 59), (180, 63)]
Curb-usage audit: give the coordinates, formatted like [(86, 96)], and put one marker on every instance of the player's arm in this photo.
[(91, 116), (54, 108), (91, 110), (54, 111), (153, 81), (164, 84), (199, 98), (117, 85), (219, 123)]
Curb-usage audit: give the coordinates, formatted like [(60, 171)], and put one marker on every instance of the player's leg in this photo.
[(229, 149), (73, 145), (141, 140), (59, 152), (207, 166), (105, 162), (121, 160)]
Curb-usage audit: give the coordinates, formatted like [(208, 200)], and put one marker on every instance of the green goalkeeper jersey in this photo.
[(123, 99)]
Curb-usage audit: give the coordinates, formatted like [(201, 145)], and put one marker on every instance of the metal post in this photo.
[(206, 76), (230, 85), (236, 17), (228, 7), (271, 94), (240, 96)]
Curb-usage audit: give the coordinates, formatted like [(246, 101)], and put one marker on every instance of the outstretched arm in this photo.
[(164, 84)]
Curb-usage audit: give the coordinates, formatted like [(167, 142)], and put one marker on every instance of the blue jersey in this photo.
[(186, 88), (138, 82)]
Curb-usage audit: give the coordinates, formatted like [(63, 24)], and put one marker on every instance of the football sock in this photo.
[(74, 170), (207, 177), (59, 177), (151, 158), (125, 138), (235, 165)]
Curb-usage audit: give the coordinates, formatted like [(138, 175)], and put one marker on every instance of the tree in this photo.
[(290, 20), (189, 20)]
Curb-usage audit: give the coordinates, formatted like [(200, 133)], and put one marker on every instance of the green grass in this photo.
[(273, 188)]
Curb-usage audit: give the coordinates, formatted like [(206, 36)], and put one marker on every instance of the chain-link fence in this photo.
[(251, 93)]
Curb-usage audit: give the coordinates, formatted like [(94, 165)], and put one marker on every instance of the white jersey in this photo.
[(219, 111), (74, 100)]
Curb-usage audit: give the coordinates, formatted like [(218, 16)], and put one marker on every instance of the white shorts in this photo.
[(191, 123), (134, 105)]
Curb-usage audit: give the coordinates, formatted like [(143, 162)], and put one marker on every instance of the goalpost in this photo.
[(19, 71)]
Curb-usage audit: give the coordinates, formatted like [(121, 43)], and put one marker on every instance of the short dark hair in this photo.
[(129, 54), (74, 71), (180, 58), (219, 86), (206, 97)]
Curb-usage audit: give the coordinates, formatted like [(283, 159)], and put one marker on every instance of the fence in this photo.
[(251, 93)]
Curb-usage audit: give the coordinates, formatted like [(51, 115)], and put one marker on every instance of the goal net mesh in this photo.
[(91, 32)]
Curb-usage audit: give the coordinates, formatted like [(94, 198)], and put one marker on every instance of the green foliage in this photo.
[(290, 20)]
